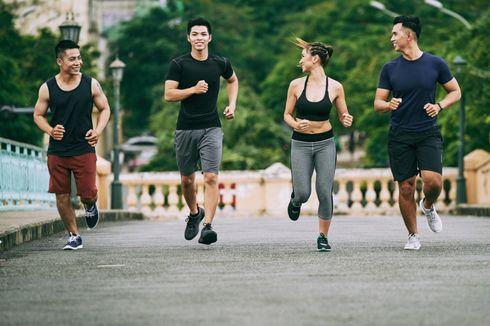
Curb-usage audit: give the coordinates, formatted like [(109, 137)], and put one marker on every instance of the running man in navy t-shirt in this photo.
[(414, 140), (194, 80)]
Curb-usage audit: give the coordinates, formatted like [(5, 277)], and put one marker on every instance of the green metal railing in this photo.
[(24, 176)]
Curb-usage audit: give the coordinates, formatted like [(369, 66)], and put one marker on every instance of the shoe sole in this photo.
[(411, 248), (71, 248), (324, 250), (209, 239)]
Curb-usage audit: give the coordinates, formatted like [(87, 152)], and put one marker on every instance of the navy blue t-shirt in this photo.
[(415, 83), (199, 111)]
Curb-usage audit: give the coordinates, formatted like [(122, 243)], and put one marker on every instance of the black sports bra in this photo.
[(314, 111)]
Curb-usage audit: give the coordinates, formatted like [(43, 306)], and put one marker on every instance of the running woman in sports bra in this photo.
[(312, 143)]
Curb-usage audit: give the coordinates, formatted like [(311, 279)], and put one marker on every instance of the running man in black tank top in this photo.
[(312, 144), (72, 138)]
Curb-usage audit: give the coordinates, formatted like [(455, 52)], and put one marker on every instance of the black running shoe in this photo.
[(293, 210), (92, 216), (192, 227), (322, 243), (208, 236)]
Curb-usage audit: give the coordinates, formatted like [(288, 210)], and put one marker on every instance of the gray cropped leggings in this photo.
[(320, 156)]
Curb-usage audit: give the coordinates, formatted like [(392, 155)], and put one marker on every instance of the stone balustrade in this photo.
[(267, 192)]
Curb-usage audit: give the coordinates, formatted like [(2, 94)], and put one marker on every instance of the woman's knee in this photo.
[(301, 196)]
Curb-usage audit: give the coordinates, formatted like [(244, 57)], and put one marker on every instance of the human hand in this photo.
[(302, 125), (394, 103), (201, 87), (92, 137), (229, 112), (432, 110), (346, 120), (57, 132)]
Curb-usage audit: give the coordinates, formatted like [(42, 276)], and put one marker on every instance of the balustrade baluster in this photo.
[(145, 199), (159, 200), (132, 198), (384, 195), (173, 200), (343, 196), (371, 197), (356, 195)]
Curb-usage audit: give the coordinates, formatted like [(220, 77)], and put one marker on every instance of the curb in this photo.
[(473, 209), (35, 231)]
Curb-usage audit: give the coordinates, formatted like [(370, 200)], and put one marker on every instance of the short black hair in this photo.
[(64, 45), (198, 21), (410, 22)]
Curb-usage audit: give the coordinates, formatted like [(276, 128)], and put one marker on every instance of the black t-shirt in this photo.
[(415, 83), (73, 110), (199, 111)]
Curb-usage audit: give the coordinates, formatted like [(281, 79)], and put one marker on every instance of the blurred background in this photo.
[(257, 37)]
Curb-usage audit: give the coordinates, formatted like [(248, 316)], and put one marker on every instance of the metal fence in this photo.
[(24, 176)]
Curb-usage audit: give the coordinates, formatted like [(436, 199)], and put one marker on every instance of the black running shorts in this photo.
[(414, 151)]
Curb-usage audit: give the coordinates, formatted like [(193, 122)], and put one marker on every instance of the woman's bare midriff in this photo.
[(317, 127)]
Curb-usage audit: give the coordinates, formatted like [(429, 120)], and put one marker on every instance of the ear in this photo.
[(188, 38), (210, 37), (59, 61)]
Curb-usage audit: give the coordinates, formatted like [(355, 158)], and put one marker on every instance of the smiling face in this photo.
[(308, 61), (400, 37), (199, 38), (70, 62)]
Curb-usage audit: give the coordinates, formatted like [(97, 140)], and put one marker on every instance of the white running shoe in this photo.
[(413, 242), (433, 219)]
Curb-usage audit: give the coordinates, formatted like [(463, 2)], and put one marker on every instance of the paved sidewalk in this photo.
[(262, 271), (19, 226)]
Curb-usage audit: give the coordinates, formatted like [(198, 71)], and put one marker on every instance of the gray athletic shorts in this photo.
[(198, 145)]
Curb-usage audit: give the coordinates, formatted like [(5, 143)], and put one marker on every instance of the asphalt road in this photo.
[(262, 271)]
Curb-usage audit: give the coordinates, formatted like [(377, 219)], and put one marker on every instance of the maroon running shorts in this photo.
[(84, 169)]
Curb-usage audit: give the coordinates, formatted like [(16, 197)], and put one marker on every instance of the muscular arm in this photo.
[(453, 93), (381, 103), (173, 94), (232, 88), (101, 103), (40, 110)]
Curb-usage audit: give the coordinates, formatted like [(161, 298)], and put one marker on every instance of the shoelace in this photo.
[(90, 212), (73, 238)]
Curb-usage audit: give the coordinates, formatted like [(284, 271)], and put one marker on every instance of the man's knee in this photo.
[(433, 183), (63, 200), (210, 179), (187, 180), (88, 201), (407, 188)]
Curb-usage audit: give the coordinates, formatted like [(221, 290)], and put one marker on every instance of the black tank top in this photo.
[(73, 110), (314, 111)]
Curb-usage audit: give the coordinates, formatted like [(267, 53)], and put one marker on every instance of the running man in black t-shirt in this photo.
[(194, 80), (71, 96), (414, 141)]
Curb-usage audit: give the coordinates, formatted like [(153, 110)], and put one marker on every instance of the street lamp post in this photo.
[(440, 6), (380, 6), (459, 62), (117, 68), (70, 29)]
